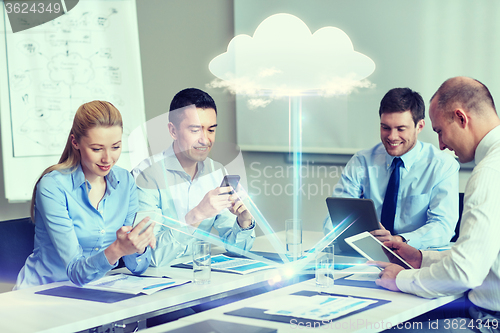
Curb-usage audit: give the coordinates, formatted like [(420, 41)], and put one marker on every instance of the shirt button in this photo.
[(97, 249), (103, 231), (139, 260)]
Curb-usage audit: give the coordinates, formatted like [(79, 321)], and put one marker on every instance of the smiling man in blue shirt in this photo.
[(183, 184), (427, 199)]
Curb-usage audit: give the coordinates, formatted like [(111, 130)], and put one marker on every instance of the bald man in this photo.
[(463, 115)]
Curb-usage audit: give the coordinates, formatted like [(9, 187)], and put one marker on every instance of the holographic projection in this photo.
[(282, 59), (285, 58)]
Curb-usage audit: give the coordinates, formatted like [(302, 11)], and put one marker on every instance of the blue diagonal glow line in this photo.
[(212, 239), (295, 147), (266, 228), (330, 237), (289, 266), (297, 266)]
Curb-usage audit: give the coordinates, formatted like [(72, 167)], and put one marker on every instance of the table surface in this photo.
[(24, 311), (401, 308)]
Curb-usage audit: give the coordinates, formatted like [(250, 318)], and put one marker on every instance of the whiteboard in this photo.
[(412, 43), (47, 72)]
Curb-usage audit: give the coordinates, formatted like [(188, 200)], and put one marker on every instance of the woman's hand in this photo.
[(131, 240)]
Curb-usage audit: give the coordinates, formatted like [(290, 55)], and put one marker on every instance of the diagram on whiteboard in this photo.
[(90, 53)]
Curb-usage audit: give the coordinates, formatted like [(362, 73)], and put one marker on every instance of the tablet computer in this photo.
[(372, 249), (351, 216)]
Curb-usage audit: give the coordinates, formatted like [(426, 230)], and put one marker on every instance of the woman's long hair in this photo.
[(89, 115)]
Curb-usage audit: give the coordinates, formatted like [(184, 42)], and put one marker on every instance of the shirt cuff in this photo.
[(138, 263), (239, 232), (143, 260), (145, 254), (404, 280), (102, 263), (250, 227)]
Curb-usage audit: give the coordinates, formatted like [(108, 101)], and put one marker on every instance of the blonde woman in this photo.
[(83, 207)]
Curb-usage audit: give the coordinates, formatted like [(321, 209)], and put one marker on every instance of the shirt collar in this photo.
[(173, 164), (79, 178), (408, 159), (484, 145)]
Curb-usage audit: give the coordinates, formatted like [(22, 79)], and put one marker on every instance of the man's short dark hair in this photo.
[(186, 97), (403, 99)]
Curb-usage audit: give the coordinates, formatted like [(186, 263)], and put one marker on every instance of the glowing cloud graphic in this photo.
[(284, 58)]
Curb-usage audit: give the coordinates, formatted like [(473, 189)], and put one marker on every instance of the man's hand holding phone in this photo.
[(212, 204), (225, 196), (229, 184), (238, 208)]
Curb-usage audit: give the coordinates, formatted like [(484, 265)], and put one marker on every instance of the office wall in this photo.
[(177, 40)]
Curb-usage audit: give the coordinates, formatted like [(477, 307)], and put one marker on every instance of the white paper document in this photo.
[(133, 284), (320, 307), (364, 276)]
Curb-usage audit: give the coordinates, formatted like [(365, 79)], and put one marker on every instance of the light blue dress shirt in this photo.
[(164, 187), (71, 235), (427, 207)]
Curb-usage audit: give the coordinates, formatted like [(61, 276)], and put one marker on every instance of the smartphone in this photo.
[(230, 180), (139, 216), (372, 249)]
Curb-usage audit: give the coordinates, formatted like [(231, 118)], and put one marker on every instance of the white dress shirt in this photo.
[(163, 186), (474, 261)]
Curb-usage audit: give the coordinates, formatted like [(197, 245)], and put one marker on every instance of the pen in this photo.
[(158, 285)]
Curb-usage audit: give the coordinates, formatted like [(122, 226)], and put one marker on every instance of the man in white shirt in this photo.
[(463, 115), (182, 183)]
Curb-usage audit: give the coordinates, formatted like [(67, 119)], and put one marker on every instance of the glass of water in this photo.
[(293, 228), (202, 261), (325, 267)]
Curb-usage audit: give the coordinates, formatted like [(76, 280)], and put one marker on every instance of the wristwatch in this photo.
[(251, 226), (403, 239)]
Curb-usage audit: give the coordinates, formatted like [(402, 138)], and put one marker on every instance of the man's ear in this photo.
[(420, 125), (74, 143), (461, 117), (172, 130)]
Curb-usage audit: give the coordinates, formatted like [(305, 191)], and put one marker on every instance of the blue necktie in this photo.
[(391, 197)]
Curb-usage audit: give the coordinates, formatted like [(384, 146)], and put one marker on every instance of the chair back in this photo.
[(17, 239)]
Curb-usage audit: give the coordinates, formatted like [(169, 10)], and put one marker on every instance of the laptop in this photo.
[(352, 216)]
